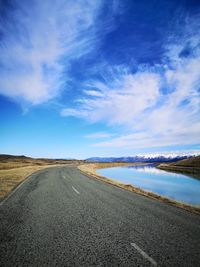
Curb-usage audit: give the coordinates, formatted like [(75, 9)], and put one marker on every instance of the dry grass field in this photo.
[(14, 169), (11, 177)]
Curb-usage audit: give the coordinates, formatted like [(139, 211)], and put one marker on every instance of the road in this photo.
[(61, 217)]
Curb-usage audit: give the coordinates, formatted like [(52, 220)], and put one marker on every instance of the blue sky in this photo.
[(99, 78)]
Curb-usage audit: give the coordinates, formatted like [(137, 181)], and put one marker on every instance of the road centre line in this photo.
[(144, 254), (75, 190)]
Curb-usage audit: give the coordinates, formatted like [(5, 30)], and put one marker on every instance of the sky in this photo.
[(99, 78)]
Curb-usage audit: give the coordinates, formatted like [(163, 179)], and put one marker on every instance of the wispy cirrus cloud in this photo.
[(99, 135), (121, 101), (158, 105), (38, 40)]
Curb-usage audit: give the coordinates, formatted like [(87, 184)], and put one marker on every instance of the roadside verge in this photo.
[(90, 170), (12, 178)]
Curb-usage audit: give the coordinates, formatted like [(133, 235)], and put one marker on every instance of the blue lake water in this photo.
[(172, 185)]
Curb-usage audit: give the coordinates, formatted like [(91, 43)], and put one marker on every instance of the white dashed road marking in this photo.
[(75, 190), (144, 254)]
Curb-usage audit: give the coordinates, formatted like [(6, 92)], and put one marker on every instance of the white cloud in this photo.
[(73, 112), (157, 107), (35, 36), (121, 103), (99, 135), (93, 93), (152, 139), (176, 120)]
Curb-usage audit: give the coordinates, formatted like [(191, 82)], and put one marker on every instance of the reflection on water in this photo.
[(149, 168), (173, 185)]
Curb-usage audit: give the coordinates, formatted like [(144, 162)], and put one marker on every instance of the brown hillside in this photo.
[(191, 162)]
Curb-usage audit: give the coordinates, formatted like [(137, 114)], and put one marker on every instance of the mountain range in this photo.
[(165, 157)]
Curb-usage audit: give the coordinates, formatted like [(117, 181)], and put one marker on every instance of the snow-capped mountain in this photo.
[(154, 157)]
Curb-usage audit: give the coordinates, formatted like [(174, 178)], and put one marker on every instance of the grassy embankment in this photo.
[(191, 165), (90, 169), (14, 169)]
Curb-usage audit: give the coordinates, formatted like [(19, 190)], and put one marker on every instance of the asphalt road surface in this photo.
[(60, 217)]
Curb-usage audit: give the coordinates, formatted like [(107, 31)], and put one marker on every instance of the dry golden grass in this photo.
[(190, 165), (90, 169), (12, 165), (190, 162), (14, 169), (11, 177)]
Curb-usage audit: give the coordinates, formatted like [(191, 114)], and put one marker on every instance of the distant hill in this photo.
[(5, 157), (190, 162), (189, 165), (13, 161), (171, 157)]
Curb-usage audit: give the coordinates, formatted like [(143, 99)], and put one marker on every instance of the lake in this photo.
[(176, 186)]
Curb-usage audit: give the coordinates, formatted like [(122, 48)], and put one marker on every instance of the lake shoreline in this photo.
[(185, 166), (91, 168), (178, 169)]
